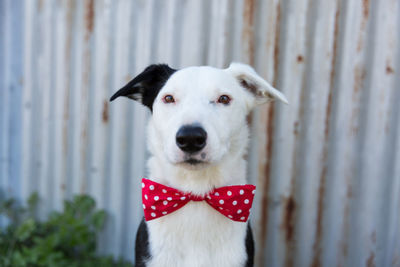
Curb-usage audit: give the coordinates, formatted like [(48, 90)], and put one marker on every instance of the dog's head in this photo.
[(199, 113)]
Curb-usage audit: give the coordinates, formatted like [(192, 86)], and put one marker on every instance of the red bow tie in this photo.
[(233, 202)]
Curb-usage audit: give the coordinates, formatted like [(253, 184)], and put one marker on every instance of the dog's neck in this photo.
[(198, 180)]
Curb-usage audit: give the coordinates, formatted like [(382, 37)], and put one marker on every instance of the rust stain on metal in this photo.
[(84, 133), (365, 7), (359, 76), (300, 59), (267, 173), (105, 111), (267, 177), (288, 218), (346, 226), (344, 245), (321, 193), (349, 192), (288, 224), (326, 128), (89, 18), (389, 69), (371, 260), (40, 5), (248, 29), (335, 43), (396, 260), (317, 246), (277, 39), (373, 237), (365, 15), (316, 261), (296, 128)]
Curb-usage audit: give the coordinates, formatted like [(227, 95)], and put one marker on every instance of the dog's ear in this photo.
[(251, 81), (144, 88)]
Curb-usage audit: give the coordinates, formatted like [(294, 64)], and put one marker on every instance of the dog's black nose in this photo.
[(191, 138)]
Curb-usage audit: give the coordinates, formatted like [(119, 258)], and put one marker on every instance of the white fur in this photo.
[(197, 235)]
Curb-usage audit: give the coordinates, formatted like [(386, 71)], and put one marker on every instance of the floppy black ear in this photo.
[(144, 88)]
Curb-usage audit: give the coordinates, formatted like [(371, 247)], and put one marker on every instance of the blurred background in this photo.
[(327, 166)]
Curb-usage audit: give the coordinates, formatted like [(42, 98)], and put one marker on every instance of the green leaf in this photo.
[(33, 201), (66, 238), (98, 219), (84, 204), (24, 231), (18, 260)]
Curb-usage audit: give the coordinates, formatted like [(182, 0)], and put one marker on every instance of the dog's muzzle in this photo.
[(191, 138)]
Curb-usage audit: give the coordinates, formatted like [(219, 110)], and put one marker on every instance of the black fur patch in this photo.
[(145, 86), (249, 247), (142, 252)]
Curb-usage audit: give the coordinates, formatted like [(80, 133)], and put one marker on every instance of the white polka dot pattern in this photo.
[(234, 202)]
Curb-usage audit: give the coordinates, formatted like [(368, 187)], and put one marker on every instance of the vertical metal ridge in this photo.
[(51, 174), (336, 181), (309, 128), (26, 102), (364, 182), (133, 155), (127, 246), (4, 109), (267, 35), (324, 116), (35, 115), (44, 58), (16, 85), (178, 15), (118, 150), (388, 227)]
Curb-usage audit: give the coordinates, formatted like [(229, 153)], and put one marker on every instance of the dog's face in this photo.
[(199, 113)]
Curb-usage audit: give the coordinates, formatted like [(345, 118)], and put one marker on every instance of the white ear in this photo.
[(259, 87)]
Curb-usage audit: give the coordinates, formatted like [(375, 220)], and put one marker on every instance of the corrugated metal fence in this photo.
[(327, 166)]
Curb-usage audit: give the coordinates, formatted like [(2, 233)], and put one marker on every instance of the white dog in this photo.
[(197, 136)]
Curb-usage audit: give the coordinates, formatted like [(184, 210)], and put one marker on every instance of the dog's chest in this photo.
[(196, 236)]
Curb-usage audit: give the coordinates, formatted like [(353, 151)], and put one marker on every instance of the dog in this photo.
[(197, 138)]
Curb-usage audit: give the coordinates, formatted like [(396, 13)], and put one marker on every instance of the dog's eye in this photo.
[(224, 99), (168, 99)]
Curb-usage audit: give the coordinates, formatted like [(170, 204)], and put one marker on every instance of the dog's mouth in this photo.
[(192, 161), (195, 159)]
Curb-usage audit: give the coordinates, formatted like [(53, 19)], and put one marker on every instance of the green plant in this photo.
[(66, 238)]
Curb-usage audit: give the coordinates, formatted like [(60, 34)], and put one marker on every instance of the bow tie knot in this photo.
[(193, 197), (234, 202)]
